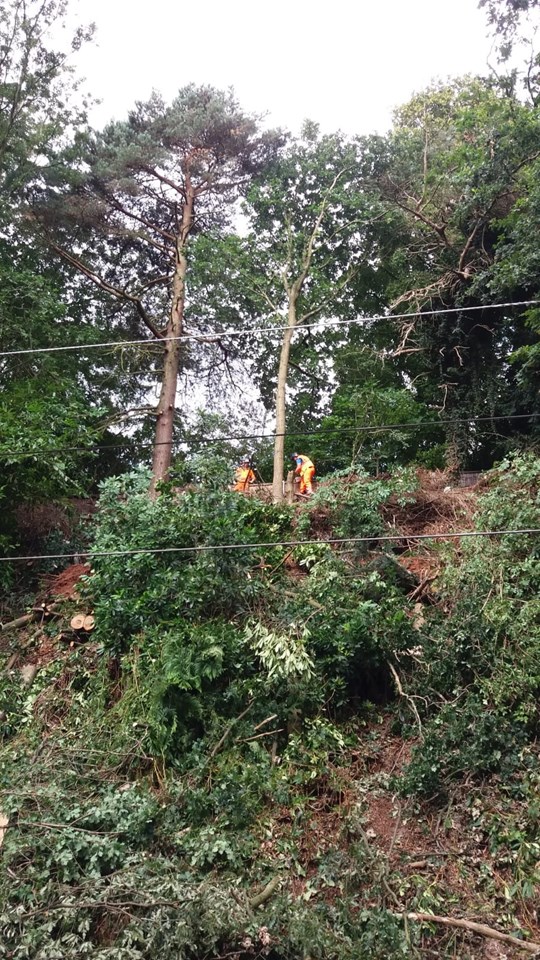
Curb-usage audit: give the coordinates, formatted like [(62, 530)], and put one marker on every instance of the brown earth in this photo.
[(436, 507), (64, 584)]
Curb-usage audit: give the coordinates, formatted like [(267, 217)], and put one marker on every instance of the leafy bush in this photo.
[(346, 504), (136, 592)]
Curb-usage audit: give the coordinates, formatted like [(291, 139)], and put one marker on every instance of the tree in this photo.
[(456, 167), (46, 402), (35, 109), (363, 426), (143, 189), (311, 237), (515, 24)]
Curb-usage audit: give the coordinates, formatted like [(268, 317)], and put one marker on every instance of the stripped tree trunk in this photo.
[(281, 402), (292, 291)]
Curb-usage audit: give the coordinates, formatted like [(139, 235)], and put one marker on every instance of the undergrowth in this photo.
[(194, 781)]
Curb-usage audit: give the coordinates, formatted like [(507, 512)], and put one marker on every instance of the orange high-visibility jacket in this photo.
[(243, 477), (303, 464)]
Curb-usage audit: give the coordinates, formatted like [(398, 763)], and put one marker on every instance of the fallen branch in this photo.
[(420, 588), (28, 617), (222, 740), (257, 736), (408, 698), (480, 928), (19, 622), (265, 894), (63, 826), (264, 722)]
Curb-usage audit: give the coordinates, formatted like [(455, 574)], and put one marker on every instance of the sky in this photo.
[(343, 63)]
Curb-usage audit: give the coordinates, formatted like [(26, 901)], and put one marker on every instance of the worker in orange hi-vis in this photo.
[(306, 471), (244, 476)]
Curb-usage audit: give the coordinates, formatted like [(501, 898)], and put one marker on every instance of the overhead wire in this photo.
[(211, 441), (243, 331), (207, 548)]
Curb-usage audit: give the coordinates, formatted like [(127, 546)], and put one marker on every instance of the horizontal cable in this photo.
[(200, 338), (206, 548), (321, 434)]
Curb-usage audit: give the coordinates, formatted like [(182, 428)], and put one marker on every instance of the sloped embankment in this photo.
[(205, 775)]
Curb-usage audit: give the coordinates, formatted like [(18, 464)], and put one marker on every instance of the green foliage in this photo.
[(183, 761), (310, 216), (136, 593), (349, 503), (370, 394), (283, 657), (37, 79), (460, 166), (482, 655)]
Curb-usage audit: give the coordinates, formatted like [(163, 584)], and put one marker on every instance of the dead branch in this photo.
[(407, 697), (19, 622), (42, 611), (421, 586), (265, 894), (228, 729), (529, 946), (267, 733), (264, 722)]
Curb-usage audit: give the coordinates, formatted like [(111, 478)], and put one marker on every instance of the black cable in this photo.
[(206, 548), (220, 335), (384, 427)]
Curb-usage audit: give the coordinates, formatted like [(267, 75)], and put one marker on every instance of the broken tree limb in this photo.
[(273, 716), (28, 617), (406, 697), (265, 893), (11, 662), (529, 946), (220, 742), (257, 736), (19, 622)]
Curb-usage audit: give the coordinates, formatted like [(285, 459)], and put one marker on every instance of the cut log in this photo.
[(77, 622), (89, 623), (28, 673), (36, 614), (19, 622)]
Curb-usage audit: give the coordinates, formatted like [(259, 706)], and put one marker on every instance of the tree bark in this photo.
[(289, 487), (279, 445), (167, 400)]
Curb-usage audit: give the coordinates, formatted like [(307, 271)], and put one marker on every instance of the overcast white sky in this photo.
[(343, 63)]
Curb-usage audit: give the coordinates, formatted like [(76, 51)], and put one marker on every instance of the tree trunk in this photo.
[(167, 400), (289, 487), (279, 445)]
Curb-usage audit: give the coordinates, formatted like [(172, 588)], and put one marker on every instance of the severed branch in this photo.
[(409, 699), (19, 622), (265, 894), (228, 729), (529, 946)]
